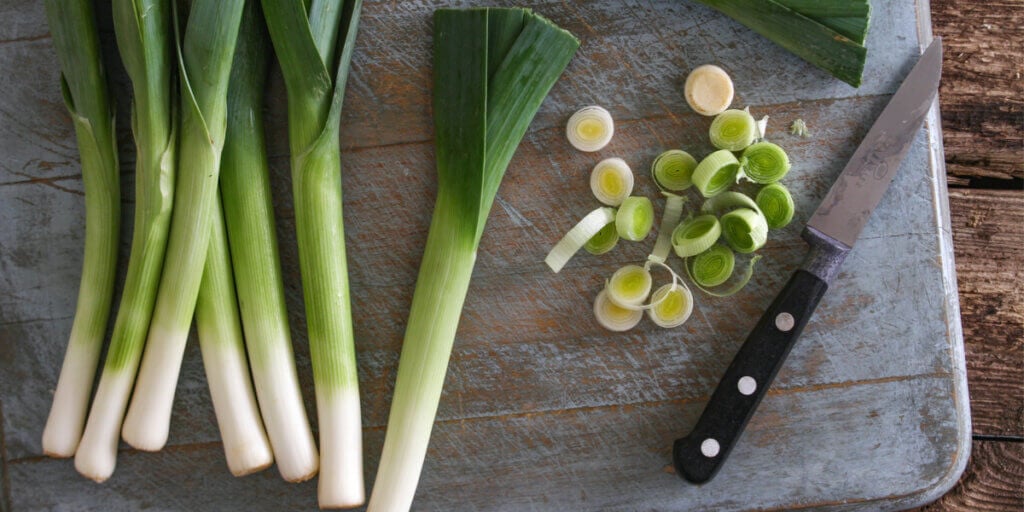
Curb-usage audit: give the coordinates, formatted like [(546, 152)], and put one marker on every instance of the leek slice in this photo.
[(635, 218), (716, 173), (669, 220), (590, 129), (764, 163), (84, 86), (611, 181), (776, 204), (738, 284), (745, 230), (711, 267), (708, 90), (799, 128), (673, 305), (577, 237), (733, 130), (614, 317), (604, 241), (629, 286), (726, 201), (673, 170), (696, 235)]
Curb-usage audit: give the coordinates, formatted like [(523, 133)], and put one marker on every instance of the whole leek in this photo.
[(205, 61), (144, 40), (492, 70), (84, 84), (245, 191), (315, 48)]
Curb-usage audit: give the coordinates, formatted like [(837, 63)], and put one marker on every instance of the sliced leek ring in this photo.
[(673, 170), (776, 204), (673, 305), (613, 317), (709, 90), (578, 236), (590, 129), (733, 130), (629, 286), (635, 218), (611, 181)]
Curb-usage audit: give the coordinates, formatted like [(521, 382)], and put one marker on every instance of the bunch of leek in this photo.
[(492, 69), (144, 40), (314, 47), (827, 33), (84, 84)]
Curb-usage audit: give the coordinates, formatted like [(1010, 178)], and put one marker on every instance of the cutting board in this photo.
[(542, 408)]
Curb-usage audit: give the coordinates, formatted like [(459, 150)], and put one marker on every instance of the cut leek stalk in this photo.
[(611, 181), (314, 42), (745, 230), (776, 204), (635, 218), (590, 226), (613, 317), (205, 62), (604, 241), (733, 130), (492, 69), (848, 17), (696, 235), (716, 173), (673, 170), (590, 129), (249, 213), (708, 90), (764, 163), (84, 85), (673, 305), (146, 45), (718, 263), (669, 220), (629, 286), (711, 267)]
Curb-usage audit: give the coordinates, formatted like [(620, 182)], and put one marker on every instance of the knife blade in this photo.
[(830, 233)]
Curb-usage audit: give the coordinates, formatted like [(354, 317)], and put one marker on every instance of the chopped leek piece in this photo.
[(613, 317), (84, 85), (669, 220), (725, 201), (799, 128), (776, 204), (733, 130), (849, 17), (492, 69), (696, 235), (745, 230), (629, 286), (205, 59), (716, 173), (709, 90), (764, 163), (673, 170), (673, 305), (611, 181), (711, 267), (738, 283), (635, 218), (590, 129), (590, 226), (604, 241), (146, 46)]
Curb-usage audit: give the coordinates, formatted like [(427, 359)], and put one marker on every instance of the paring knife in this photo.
[(830, 232)]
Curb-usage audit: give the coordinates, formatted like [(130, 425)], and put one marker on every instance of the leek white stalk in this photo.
[(629, 286), (205, 62), (590, 129), (614, 317), (586, 229), (227, 370), (492, 69), (611, 181), (314, 42), (84, 85), (249, 214), (145, 45), (673, 305)]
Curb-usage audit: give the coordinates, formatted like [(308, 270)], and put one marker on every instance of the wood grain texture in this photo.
[(994, 481), (982, 92)]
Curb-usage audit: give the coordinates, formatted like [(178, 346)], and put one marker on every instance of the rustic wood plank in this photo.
[(987, 237), (992, 482), (982, 94)]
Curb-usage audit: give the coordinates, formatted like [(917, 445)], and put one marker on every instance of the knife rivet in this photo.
[(709, 448), (747, 385), (785, 322)]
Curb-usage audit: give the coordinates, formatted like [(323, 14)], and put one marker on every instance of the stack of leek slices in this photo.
[(724, 224)]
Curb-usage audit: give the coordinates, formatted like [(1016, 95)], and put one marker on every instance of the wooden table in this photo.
[(983, 119)]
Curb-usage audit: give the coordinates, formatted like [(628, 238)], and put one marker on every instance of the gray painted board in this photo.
[(542, 409)]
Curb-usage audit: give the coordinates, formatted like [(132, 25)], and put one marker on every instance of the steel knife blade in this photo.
[(831, 232)]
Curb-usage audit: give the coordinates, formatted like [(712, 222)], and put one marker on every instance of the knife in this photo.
[(830, 233)]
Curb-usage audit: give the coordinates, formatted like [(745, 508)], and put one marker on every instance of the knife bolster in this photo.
[(826, 255)]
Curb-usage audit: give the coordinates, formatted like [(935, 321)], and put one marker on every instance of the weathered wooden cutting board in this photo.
[(542, 410)]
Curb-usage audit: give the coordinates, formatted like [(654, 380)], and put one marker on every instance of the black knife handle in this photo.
[(699, 455)]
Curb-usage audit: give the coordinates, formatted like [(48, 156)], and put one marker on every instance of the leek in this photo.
[(716, 173), (635, 218), (764, 163), (205, 61), (711, 267), (590, 226), (709, 90), (669, 220), (145, 45), (245, 191), (220, 339), (314, 49), (492, 69), (611, 181), (734, 130), (696, 235), (605, 240), (674, 305), (673, 170), (629, 286), (590, 129), (613, 317), (84, 84), (776, 204)]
